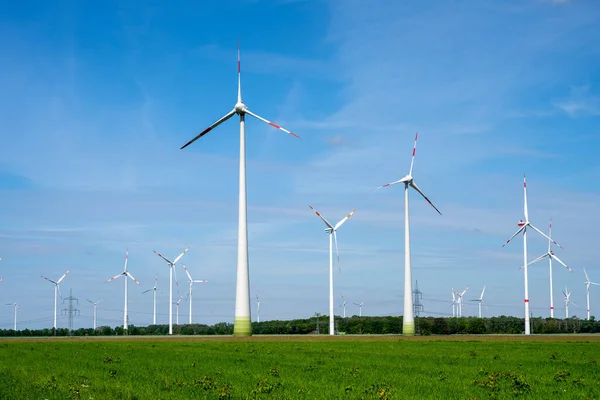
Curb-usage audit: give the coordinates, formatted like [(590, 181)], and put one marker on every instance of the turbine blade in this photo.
[(200, 281), (63, 277), (210, 128), (188, 274), (546, 236), (414, 186), (343, 220), (126, 259), (146, 291), (239, 76), (322, 217), (412, 161), (389, 184), (135, 280), (525, 199), (49, 280), (271, 123), (59, 293), (538, 259), (114, 277), (550, 234), (559, 260), (175, 273), (513, 236), (586, 275), (336, 247), (163, 257), (181, 255), (482, 292)]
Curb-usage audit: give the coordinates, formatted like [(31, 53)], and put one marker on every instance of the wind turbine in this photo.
[(523, 228), (95, 304), (408, 322), (587, 290), (126, 274), (359, 307), (331, 230), (257, 309), (550, 255), (171, 269), (567, 301), (192, 281), (153, 290), (343, 304), (460, 300), (480, 301), (16, 306), (177, 307), (56, 291), (453, 303), (242, 326)]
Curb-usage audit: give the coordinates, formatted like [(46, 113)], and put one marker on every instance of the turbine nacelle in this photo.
[(240, 108)]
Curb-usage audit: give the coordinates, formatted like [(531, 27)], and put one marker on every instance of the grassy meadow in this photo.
[(384, 367)]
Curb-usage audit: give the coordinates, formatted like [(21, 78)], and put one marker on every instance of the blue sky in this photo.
[(97, 101)]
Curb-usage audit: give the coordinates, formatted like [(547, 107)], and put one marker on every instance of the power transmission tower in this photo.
[(70, 311), (417, 296)]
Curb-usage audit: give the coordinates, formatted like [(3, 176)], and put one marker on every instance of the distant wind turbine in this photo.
[(16, 307), (359, 307), (408, 321), (171, 270), (331, 230), (587, 291), (154, 291), (567, 301), (125, 274), (257, 309), (343, 304), (95, 304), (56, 291), (459, 297), (191, 282), (242, 325), (177, 307), (523, 228), (480, 301)]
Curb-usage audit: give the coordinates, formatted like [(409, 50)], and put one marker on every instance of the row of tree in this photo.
[(351, 325)]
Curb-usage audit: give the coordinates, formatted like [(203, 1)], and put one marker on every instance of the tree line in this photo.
[(351, 325)]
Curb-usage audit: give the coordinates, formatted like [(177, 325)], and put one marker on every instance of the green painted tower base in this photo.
[(242, 327), (408, 329)]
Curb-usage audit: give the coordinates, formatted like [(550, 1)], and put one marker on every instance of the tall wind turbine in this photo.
[(587, 291), (257, 309), (480, 301), (16, 307), (567, 301), (153, 290), (191, 282), (331, 230), (171, 269), (523, 228), (453, 303), (126, 274), (242, 326), (408, 323), (459, 298), (95, 304), (550, 255), (343, 304), (359, 307), (56, 291)]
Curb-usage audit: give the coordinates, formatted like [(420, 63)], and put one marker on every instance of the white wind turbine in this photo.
[(587, 291), (550, 255), (459, 298), (126, 274), (359, 307), (153, 290), (56, 291), (480, 301), (242, 326), (191, 282), (567, 301), (171, 269), (408, 324), (343, 304), (177, 308), (16, 307), (331, 230), (95, 304), (257, 309), (523, 228)]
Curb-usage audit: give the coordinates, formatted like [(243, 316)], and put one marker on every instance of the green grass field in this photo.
[(390, 367)]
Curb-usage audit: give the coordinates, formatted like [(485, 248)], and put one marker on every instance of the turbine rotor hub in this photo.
[(240, 108)]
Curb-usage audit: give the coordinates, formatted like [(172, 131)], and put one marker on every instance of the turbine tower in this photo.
[(177, 308), (523, 228), (95, 304), (242, 326), (480, 301), (459, 298), (257, 309), (359, 307), (16, 307), (56, 291), (331, 230), (191, 282), (153, 290), (587, 291), (453, 304), (550, 255), (126, 274), (171, 269), (408, 323)]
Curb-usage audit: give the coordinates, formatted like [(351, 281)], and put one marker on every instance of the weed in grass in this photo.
[(561, 376)]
